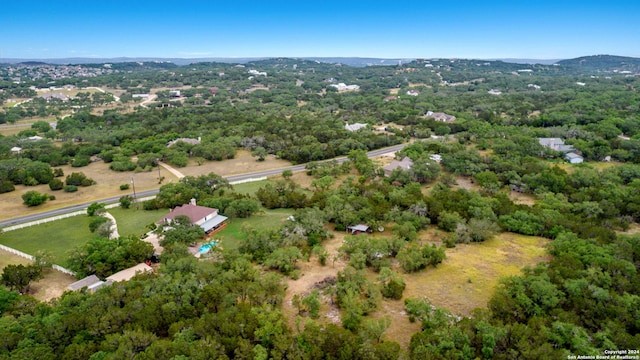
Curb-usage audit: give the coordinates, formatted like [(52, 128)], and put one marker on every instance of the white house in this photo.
[(355, 127), (556, 144), (440, 116), (574, 158), (207, 218)]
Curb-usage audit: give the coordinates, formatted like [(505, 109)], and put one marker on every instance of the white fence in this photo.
[(42, 221), (17, 252), (32, 258), (247, 180), (63, 270)]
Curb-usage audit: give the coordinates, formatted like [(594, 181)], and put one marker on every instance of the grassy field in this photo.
[(56, 237), (231, 235), (134, 222), (250, 187)]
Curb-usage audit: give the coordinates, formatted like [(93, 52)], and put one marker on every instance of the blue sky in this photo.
[(391, 29)]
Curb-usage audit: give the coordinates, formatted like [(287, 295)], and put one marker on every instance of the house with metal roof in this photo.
[(91, 283), (573, 158), (207, 218)]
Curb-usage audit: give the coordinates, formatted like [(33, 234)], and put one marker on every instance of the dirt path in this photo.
[(114, 226), (149, 99), (171, 169)]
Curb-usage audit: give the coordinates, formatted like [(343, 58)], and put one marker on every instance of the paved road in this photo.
[(142, 194)]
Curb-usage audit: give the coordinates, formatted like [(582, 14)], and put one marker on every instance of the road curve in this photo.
[(142, 194)]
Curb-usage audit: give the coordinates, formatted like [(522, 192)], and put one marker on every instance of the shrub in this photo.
[(126, 201), (34, 198), (30, 181), (79, 179), (152, 204), (70, 188), (124, 187), (87, 182), (56, 184), (80, 161), (95, 209), (96, 222), (6, 186)]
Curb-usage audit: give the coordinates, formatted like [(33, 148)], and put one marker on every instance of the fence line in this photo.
[(63, 270), (32, 258), (16, 252), (247, 180), (43, 221)]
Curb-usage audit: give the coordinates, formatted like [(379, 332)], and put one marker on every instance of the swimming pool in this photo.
[(205, 248)]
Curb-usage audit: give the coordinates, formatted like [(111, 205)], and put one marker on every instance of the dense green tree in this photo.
[(34, 198), (19, 277)]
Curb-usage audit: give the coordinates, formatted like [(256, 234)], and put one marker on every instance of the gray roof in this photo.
[(556, 144), (213, 222), (359, 227), (89, 282), (404, 164), (571, 155)]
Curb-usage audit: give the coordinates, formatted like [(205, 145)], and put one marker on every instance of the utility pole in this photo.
[(135, 199)]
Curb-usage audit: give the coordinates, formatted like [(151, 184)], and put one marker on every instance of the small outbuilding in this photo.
[(91, 283), (573, 158), (359, 229)]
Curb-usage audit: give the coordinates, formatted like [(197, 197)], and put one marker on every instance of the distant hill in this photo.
[(603, 63), (351, 61)]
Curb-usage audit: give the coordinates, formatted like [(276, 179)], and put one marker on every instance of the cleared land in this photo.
[(463, 282), (242, 163)]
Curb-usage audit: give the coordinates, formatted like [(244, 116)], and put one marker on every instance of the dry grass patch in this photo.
[(520, 198), (243, 163), (107, 185), (464, 281), (300, 178), (52, 285), (466, 182)]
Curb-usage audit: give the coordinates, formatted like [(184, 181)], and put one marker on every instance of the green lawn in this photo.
[(134, 222), (250, 187), (56, 237), (231, 235)]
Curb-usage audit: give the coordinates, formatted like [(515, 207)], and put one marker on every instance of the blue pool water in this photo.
[(204, 248)]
